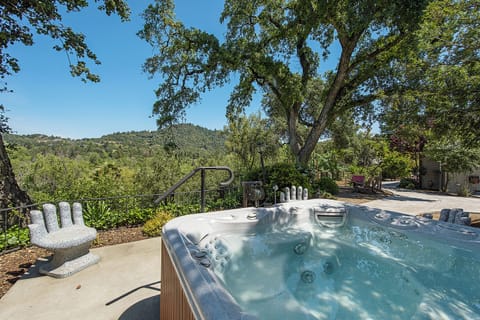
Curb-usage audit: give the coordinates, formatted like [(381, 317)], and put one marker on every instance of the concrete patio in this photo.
[(124, 285), (414, 202)]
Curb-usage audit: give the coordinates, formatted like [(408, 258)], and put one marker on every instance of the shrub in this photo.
[(137, 216), (326, 185), (407, 183), (180, 210), (231, 200), (395, 165), (153, 227), (98, 215), (14, 237), (283, 175), (327, 195), (101, 216), (464, 191)]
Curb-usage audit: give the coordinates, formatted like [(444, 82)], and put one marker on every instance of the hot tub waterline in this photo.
[(371, 260)]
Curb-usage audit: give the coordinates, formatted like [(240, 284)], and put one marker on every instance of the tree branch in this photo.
[(372, 55)]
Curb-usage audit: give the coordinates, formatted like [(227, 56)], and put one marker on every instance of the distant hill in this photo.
[(185, 139)]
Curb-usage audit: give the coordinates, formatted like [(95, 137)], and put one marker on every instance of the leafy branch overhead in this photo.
[(438, 85), (20, 19), (279, 47)]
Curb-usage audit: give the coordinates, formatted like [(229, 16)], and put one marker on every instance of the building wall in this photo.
[(456, 181), (432, 178)]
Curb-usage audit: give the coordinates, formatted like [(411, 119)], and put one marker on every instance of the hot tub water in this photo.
[(353, 272)]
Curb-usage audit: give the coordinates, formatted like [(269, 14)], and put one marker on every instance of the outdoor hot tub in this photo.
[(318, 259)]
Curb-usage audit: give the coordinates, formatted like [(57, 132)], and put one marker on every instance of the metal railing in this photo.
[(202, 183), (13, 222)]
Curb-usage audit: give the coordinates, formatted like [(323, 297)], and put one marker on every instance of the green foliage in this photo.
[(366, 155), (136, 216), (450, 68), (327, 162), (50, 177), (252, 139), (396, 165), (286, 175), (464, 191), (213, 202), (110, 180), (14, 237), (407, 183), (357, 170), (325, 184), (180, 210), (153, 227), (98, 215), (53, 169), (437, 89), (282, 175), (153, 175), (231, 200)]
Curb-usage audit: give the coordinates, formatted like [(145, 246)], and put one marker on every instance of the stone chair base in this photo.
[(66, 262)]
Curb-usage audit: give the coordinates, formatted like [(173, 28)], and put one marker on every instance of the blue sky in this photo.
[(47, 100)]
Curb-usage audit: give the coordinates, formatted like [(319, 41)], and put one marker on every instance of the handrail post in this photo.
[(202, 191), (202, 188)]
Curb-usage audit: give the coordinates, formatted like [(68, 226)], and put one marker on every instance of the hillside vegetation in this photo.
[(145, 162), (192, 140)]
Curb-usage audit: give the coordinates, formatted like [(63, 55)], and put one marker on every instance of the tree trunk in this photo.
[(292, 122), (10, 193), (348, 45)]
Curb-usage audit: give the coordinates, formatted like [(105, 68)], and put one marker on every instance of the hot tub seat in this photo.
[(70, 243)]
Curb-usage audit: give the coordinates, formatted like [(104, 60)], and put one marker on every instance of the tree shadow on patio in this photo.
[(407, 198), (146, 309)]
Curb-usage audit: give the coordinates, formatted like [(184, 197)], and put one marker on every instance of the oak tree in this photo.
[(279, 48), (438, 83)]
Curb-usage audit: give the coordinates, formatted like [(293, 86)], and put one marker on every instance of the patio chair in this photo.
[(69, 242)]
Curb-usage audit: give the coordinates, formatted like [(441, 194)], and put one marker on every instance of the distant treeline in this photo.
[(52, 168), (190, 140)]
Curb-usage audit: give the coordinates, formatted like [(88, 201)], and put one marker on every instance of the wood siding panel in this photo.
[(173, 302)]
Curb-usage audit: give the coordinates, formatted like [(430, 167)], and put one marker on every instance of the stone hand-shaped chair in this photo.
[(70, 243)]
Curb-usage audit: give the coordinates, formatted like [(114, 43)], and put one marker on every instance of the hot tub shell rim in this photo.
[(205, 293)]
